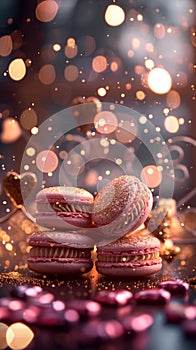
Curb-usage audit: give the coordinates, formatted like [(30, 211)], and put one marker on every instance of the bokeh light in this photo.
[(99, 64), (71, 73), (149, 63), (6, 45), (30, 151), (140, 95), (105, 122), (114, 15), (11, 130), (159, 80), (46, 10), (56, 47), (28, 118), (73, 163), (171, 124), (3, 330), (46, 161), (159, 30), (101, 91), (19, 336), (47, 74), (17, 69), (173, 99), (126, 131), (71, 49), (151, 176)]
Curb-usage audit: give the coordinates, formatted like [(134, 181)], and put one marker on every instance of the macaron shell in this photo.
[(55, 267), (70, 221), (135, 244), (132, 241), (74, 239), (122, 205), (128, 271), (65, 194)]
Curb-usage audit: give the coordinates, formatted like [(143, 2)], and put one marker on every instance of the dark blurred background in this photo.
[(56, 43)]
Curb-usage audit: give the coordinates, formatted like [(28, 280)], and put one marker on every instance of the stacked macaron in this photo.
[(121, 207), (64, 212), (110, 220)]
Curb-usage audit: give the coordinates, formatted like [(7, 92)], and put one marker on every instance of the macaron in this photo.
[(122, 205), (64, 207), (135, 254), (51, 253)]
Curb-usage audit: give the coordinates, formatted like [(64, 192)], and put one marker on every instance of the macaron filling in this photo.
[(59, 207), (57, 253), (126, 257)]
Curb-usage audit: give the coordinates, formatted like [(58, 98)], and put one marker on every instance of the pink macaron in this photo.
[(64, 207), (135, 254), (122, 205), (52, 253)]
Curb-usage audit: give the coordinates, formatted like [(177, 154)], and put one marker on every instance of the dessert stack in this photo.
[(72, 217)]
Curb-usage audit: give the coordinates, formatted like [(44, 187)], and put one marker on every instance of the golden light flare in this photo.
[(140, 95), (159, 80), (11, 130), (17, 69), (47, 74), (149, 64), (46, 161), (28, 119), (171, 124), (101, 91), (6, 45), (105, 122), (46, 10), (56, 47), (151, 176), (99, 64), (173, 99), (114, 15), (34, 130), (9, 247), (19, 336), (3, 330)]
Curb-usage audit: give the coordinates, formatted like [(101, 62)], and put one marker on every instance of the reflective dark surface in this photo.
[(103, 329)]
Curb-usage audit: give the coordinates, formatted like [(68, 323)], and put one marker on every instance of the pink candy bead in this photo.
[(175, 286), (154, 296), (119, 297)]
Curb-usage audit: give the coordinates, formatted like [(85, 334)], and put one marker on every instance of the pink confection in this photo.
[(64, 207), (86, 308), (122, 205), (175, 286), (153, 296), (135, 254), (119, 297), (52, 254)]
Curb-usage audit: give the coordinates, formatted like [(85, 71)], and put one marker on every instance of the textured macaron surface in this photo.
[(124, 201), (133, 241), (134, 249), (55, 246), (64, 199), (65, 194)]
